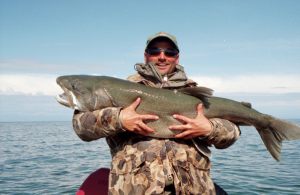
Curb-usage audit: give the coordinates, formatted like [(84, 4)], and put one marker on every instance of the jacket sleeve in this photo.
[(224, 133), (97, 124)]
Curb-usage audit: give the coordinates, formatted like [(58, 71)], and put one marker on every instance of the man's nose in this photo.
[(162, 56)]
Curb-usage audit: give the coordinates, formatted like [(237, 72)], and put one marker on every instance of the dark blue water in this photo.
[(48, 158)]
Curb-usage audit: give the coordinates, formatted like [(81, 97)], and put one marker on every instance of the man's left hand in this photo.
[(191, 128)]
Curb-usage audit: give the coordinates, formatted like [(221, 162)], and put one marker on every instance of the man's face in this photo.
[(165, 64)]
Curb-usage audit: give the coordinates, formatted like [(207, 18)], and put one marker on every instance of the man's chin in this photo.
[(162, 70), (163, 73)]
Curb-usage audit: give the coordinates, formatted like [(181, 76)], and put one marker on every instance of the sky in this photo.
[(244, 50)]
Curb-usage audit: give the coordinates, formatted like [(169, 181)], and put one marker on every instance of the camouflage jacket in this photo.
[(145, 165)]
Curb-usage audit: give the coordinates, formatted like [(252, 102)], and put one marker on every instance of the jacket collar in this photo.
[(174, 80)]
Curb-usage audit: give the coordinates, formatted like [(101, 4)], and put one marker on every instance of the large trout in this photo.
[(89, 93)]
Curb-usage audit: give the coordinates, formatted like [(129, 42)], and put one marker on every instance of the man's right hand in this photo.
[(134, 122)]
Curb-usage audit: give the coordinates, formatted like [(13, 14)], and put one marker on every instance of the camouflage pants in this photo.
[(155, 170), (142, 182)]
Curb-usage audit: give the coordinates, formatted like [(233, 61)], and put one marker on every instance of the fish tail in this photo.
[(277, 131)]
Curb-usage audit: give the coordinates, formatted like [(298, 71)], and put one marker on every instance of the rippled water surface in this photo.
[(48, 158)]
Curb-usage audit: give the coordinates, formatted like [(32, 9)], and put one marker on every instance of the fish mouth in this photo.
[(63, 99), (66, 98)]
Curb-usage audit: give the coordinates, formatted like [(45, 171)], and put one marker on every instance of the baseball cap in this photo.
[(162, 35)]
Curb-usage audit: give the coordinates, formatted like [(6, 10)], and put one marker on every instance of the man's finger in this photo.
[(184, 119), (149, 117), (200, 109), (179, 127), (135, 104), (145, 128), (183, 134)]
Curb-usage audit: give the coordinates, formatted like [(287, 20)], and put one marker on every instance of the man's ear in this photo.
[(177, 59), (145, 57)]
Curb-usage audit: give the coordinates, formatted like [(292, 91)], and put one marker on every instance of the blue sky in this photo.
[(245, 50)]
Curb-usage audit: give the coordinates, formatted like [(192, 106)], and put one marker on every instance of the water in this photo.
[(48, 158), (248, 168)]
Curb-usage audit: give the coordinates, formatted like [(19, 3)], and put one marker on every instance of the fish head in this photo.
[(84, 93), (73, 92), (67, 98)]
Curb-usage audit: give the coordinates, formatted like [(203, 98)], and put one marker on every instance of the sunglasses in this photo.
[(167, 52)]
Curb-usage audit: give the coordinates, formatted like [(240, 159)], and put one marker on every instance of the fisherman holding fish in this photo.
[(147, 165)]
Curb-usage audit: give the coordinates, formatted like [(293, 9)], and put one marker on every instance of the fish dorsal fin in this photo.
[(247, 104), (199, 92)]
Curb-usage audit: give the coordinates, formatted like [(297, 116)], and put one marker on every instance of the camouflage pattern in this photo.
[(97, 124), (152, 164), (146, 165), (224, 133)]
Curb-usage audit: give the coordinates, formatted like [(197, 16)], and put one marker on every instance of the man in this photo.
[(146, 165)]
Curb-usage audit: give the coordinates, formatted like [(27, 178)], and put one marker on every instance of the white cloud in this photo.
[(43, 84), (251, 83), (28, 84), (23, 66)]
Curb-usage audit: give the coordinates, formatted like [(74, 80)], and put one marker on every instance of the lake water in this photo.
[(48, 158)]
